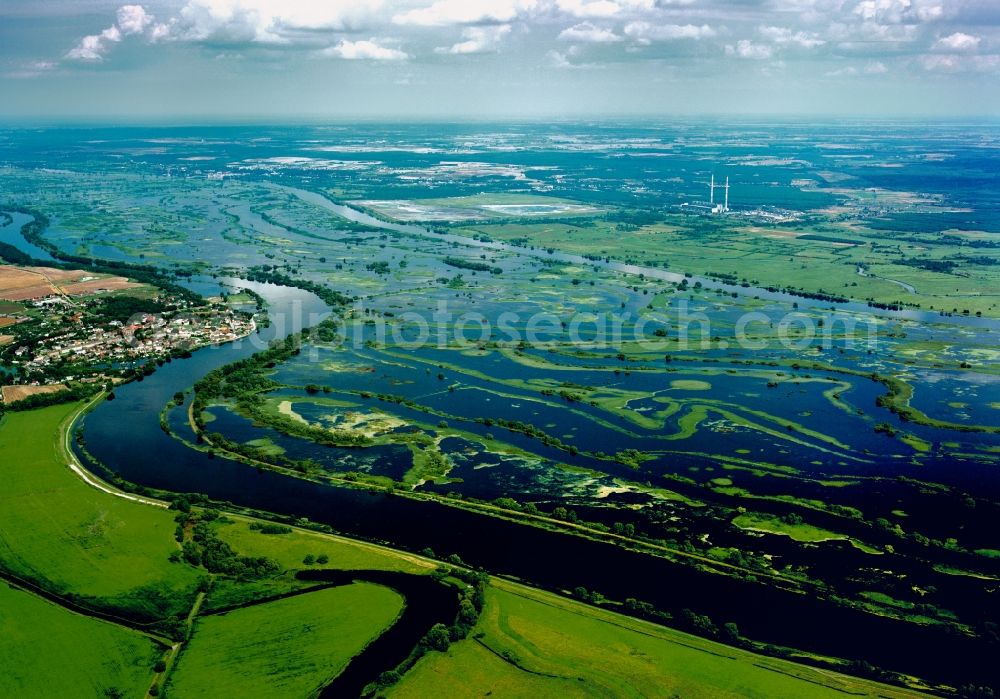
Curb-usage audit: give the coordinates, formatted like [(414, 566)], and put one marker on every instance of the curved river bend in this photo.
[(125, 435)]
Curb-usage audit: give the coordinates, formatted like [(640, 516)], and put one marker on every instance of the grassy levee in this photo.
[(283, 649), (74, 540), (47, 651), (531, 644)]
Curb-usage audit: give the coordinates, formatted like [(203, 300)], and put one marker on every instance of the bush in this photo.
[(438, 638)]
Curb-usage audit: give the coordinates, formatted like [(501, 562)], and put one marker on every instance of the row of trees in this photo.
[(204, 548), (440, 636)]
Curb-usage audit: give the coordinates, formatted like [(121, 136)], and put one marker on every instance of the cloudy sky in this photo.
[(266, 59)]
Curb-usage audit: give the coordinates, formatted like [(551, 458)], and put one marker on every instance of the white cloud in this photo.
[(900, 11), (842, 72), (586, 32), (745, 48), (368, 50), (596, 9), (564, 59), (947, 64), (645, 33), (868, 31), (95, 46), (954, 63), (129, 20), (159, 31), (872, 68), (560, 60), (133, 19), (784, 35), (959, 41), (449, 12), (32, 69), (267, 21), (478, 40), (864, 31)]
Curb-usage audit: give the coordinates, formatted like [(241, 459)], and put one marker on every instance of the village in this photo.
[(54, 334), (147, 336)]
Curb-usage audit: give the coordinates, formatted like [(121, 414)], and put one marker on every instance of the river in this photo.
[(125, 435)]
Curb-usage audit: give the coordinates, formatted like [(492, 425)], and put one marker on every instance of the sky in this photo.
[(495, 59)]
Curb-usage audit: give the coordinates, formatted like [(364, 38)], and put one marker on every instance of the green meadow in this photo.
[(48, 652), (74, 539), (287, 648), (765, 255), (534, 644)]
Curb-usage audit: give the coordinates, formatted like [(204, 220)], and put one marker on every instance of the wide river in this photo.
[(125, 436)]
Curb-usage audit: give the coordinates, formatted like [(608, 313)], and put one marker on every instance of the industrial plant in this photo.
[(711, 207), (718, 208)]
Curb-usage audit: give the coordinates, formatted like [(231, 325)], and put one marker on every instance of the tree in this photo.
[(322, 559), (181, 504), (438, 638), (467, 612), (309, 559), (387, 679)]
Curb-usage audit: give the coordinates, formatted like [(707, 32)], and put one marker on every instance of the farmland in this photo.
[(22, 284), (787, 255), (12, 394)]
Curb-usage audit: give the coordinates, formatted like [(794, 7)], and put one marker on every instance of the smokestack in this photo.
[(711, 191), (726, 207)]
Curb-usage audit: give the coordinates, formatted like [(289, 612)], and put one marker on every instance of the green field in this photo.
[(72, 538), (533, 644), (767, 255), (47, 652), (290, 549), (288, 648)]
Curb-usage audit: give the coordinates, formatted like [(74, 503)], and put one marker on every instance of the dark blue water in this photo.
[(125, 436)]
